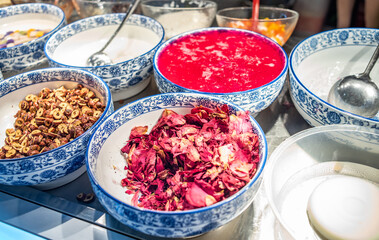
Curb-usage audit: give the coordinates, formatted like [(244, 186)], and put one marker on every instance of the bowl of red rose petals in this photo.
[(24, 30), (177, 164)]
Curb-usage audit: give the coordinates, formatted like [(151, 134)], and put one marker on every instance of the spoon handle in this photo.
[(371, 64), (128, 13)]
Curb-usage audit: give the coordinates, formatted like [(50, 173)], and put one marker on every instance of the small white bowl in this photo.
[(132, 50), (319, 61), (23, 17), (106, 169), (58, 166)]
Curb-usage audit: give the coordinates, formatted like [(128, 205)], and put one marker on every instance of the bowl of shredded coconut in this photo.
[(178, 16)]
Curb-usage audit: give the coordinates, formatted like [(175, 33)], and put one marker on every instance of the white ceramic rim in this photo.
[(102, 66), (102, 117), (314, 95), (295, 14), (210, 29), (34, 5), (209, 4), (250, 184), (273, 159)]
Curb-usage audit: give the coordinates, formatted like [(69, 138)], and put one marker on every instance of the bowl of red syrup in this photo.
[(240, 66)]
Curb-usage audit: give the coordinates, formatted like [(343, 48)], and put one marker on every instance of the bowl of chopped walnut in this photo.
[(47, 118)]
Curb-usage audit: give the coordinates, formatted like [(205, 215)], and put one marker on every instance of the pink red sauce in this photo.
[(221, 61)]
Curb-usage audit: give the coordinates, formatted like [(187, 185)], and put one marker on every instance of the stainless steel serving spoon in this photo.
[(357, 93), (100, 58)]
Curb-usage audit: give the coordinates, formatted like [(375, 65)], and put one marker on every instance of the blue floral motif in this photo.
[(343, 35), (4, 87), (135, 81), (313, 43), (3, 169), (37, 55), (100, 20), (27, 165), (169, 99), (48, 173), (60, 155), (261, 104), (301, 95), (136, 109), (109, 127), (115, 71)]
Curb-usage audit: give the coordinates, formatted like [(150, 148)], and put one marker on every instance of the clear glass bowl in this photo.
[(88, 8), (306, 159), (275, 23), (178, 16)]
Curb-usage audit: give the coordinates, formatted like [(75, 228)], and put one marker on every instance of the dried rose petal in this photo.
[(190, 161)]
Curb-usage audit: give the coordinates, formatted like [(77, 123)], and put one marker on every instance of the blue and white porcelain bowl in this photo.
[(131, 50), (319, 61), (105, 168), (63, 164), (254, 100), (23, 17)]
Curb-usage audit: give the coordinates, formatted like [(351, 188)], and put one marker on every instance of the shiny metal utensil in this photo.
[(357, 93), (100, 58)]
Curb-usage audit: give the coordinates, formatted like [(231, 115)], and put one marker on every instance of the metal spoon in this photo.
[(357, 93), (100, 58)]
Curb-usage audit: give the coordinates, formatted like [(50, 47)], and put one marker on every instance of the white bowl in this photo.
[(312, 156), (105, 167), (60, 165), (319, 61), (132, 50), (253, 99), (23, 17)]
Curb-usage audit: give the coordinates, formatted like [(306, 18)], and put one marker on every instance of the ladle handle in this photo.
[(128, 13), (371, 64)]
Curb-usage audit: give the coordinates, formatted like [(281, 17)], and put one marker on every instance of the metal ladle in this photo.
[(100, 58), (357, 93)]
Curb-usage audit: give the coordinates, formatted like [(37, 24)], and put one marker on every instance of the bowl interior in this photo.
[(73, 49), (104, 161), (304, 160), (318, 62), (26, 21)]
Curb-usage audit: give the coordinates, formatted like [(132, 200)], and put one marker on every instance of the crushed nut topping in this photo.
[(51, 119)]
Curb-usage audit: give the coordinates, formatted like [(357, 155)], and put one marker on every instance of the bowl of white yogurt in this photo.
[(131, 51), (179, 16), (323, 183)]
